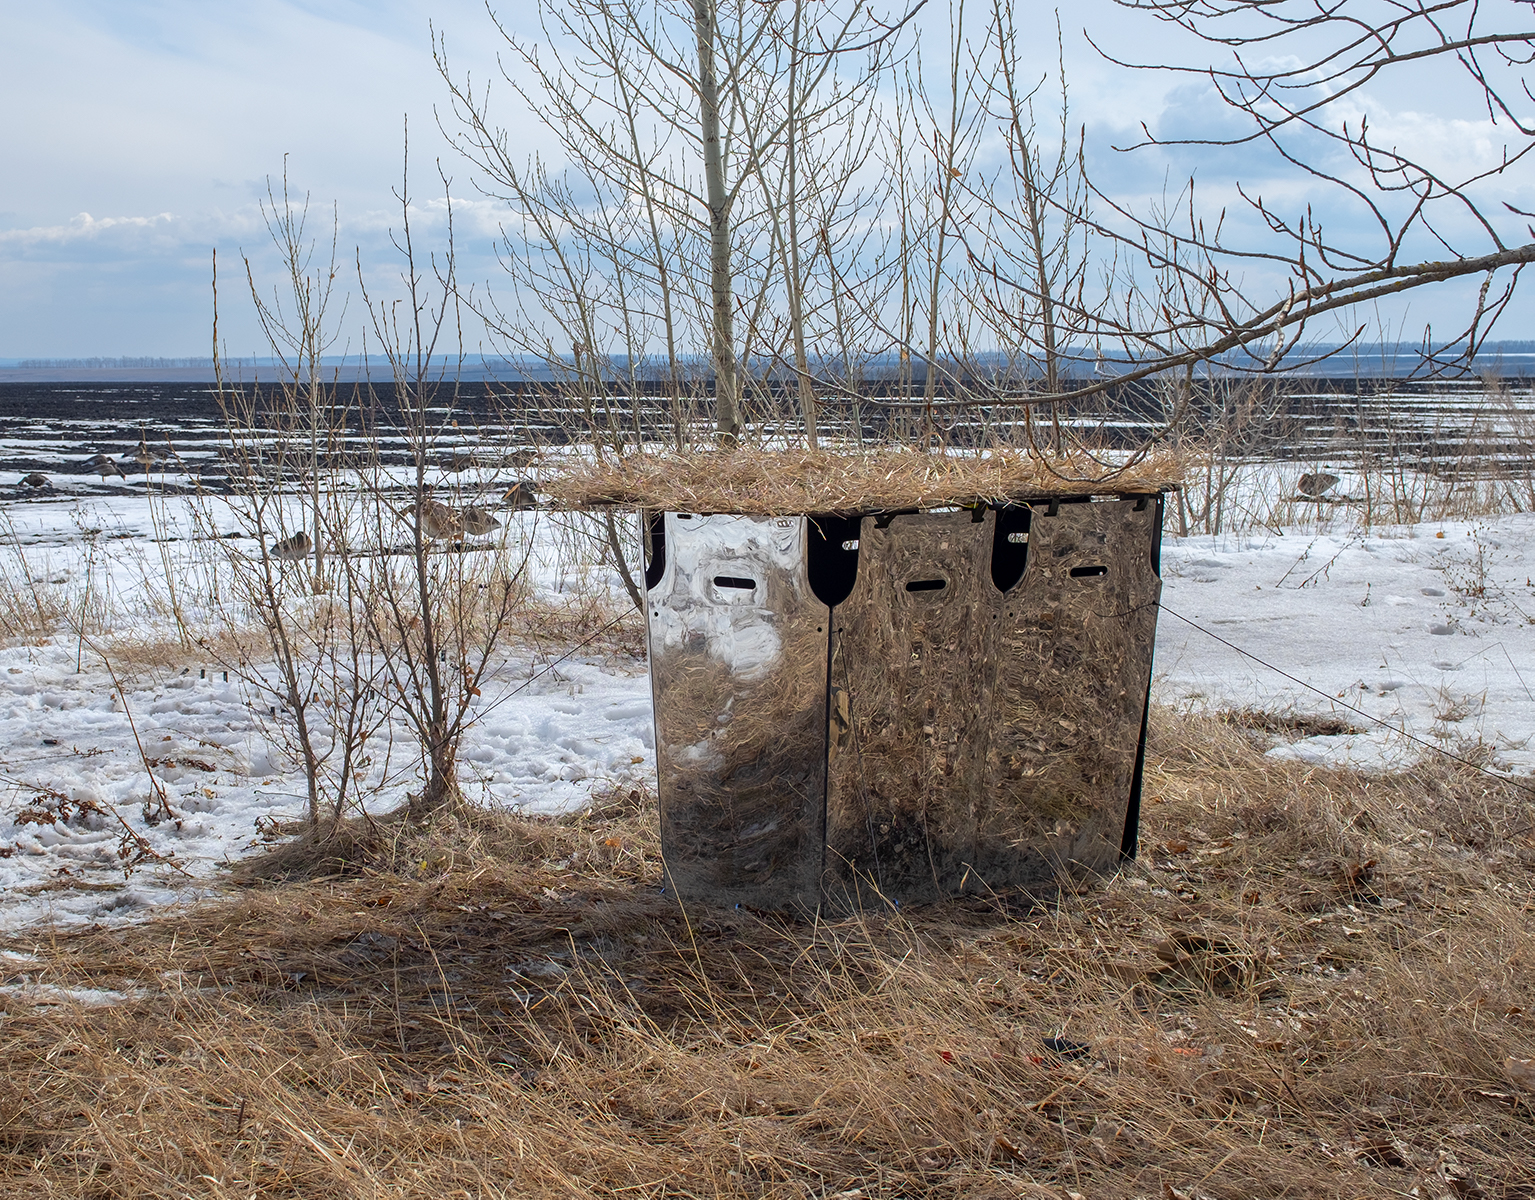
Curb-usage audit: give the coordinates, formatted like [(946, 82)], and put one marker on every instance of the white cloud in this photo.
[(83, 226)]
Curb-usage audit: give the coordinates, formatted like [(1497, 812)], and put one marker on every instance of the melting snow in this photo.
[(1429, 629)]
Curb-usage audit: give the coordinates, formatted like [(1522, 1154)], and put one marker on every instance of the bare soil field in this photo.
[(1314, 982)]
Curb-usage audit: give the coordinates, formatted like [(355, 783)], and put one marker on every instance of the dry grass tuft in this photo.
[(804, 481), (588, 618), (30, 608), (1289, 726), (1314, 983), (152, 654), (392, 844)]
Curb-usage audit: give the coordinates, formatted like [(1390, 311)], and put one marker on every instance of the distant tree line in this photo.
[(53, 364)]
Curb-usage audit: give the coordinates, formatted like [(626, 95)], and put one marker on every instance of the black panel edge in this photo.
[(832, 571), (1130, 838), (656, 567), (1129, 841)]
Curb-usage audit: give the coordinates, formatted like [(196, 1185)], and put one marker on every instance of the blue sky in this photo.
[(146, 134), (140, 134)]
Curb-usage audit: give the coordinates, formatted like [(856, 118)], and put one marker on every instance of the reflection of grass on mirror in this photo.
[(744, 718), (739, 757)]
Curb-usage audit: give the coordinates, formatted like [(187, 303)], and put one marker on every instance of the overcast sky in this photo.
[(140, 134)]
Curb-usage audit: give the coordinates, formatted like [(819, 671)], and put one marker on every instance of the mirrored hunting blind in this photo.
[(894, 707)]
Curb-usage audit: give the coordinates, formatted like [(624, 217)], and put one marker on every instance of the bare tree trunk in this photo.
[(315, 428), (442, 792), (1037, 249), (621, 560), (908, 328), (947, 155), (807, 402), (722, 348), (695, 96)]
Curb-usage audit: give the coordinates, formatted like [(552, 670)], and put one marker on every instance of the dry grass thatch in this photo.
[(770, 483), (1315, 983)]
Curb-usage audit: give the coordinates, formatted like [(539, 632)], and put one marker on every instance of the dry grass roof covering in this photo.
[(807, 481)]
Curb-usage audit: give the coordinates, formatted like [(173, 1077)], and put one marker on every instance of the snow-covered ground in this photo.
[(69, 750), (1429, 628), (547, 729)]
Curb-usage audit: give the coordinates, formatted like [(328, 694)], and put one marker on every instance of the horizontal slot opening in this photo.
[(927, 585), (1088, 572), (734, 581)]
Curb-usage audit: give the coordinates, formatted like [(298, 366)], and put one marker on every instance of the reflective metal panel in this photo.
[(980, 739), (909, 689), (1072, 645), (738, 645)]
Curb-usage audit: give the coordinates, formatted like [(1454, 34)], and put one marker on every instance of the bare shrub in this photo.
[(441, 606), (294, 632)]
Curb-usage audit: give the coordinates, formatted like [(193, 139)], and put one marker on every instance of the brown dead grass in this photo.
[(588, 618), (154, 654), (769, 483), (1289, 726), (1310, 985), (30, 608)]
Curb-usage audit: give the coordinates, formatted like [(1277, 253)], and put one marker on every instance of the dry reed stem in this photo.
[(770, 483), (1309, 985)]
